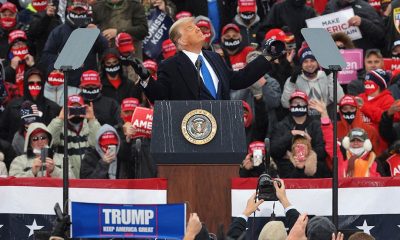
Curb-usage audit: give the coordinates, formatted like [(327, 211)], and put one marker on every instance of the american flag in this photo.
[(370, 205)]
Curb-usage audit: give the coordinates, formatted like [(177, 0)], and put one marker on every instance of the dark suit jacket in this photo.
[(178, 80)]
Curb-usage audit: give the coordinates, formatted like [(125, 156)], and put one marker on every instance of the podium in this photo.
[(198, 146)]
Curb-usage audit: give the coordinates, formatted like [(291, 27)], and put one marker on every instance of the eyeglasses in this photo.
[(35, 139)]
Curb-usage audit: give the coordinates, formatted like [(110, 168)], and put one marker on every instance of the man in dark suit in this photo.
[(178, 76)]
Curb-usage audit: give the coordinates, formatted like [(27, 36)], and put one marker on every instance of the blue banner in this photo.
[(159, 24), (91, 220)]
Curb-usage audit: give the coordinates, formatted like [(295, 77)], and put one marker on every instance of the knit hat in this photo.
[(378, 76), (29, 112), (273, 230), (75, 99), (247, 6), (168, 49), (129, 104), (183, 14), (347, 100), (90, 77), (150, 65), (230, 26), (256, 145), (204, 23), (320, 228), (16, 35), (108, 138), (8, 6), (306, 54), (124, 43), (299, 94)]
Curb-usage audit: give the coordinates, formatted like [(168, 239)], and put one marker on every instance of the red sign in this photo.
[(391, 64), (142, 121), (394, 163)]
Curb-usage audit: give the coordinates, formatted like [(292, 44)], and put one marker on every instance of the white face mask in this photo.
[(357, 151)]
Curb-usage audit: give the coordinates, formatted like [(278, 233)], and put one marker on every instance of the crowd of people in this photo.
[(291, 102)]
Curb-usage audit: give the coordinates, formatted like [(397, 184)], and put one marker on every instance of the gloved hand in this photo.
[(61, 226), (273, 49), (256, 89), (296, 72), (140, 70)]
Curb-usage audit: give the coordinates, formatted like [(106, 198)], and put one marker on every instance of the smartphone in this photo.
[(257, 157), (112, 149), (77, 111), (46, 152)]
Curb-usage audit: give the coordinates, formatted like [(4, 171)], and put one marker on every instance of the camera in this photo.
[(266, 189), (77, 111), (274, 48)]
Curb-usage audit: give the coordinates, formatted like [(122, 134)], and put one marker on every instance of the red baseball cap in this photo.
[(8, 6), (108, 138), (299, 94), (277, 34), (150, 65), (247, 5), (55, 78), (255, 146), (16, 35), (347, 100), (168, 49), (79, 4), (75, 99), (90, 77), (230, 26), (204, 23), (39, 5), (129, 104), (124, 42), (183, 14)]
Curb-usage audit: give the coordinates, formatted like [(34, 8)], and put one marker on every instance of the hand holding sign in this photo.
[(354, 21), (142, 121)]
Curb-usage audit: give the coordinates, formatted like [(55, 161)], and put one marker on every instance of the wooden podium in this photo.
[(199, 173), (205, 188)]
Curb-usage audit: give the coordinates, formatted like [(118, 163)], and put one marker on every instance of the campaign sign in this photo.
[(142, 121), (390, 64), (336, 22), (354, 62), (159, 23), (93, 220)]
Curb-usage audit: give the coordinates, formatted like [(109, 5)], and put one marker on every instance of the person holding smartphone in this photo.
[(101, 162), (38, 160)]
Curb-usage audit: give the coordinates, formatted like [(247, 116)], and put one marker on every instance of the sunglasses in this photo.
[(35, 139)]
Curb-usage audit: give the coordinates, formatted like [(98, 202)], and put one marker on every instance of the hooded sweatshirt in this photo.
[(250, 33), (92, 164), (56, 93), (21, 166)]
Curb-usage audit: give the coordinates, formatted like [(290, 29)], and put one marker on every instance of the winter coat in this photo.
[(78, 142), (371, 28), (92, 164), (21, 166), (391, 32), (327, 133), (56, 93), (106, 110), (238, 61), (281, 142), (8, 152), (55, 43), (250, 34), (125, 90), (389, 130), (18, 143)]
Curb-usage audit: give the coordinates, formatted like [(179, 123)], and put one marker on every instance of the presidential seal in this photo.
[(199, 127)]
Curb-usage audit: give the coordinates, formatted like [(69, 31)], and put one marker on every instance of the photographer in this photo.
[(82, 129), (35, 163)]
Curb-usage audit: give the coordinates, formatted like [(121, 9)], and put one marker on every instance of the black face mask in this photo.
[(113, 70), (78, 20), (396, 56), (124, 60), (91, 93), (298, 110), (231, 44), (349, 116), (298, 3), (247, 17), (76, 120)]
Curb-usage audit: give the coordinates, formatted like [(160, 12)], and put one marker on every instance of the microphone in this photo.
[(198, 66), (138, 145), (267, 154)]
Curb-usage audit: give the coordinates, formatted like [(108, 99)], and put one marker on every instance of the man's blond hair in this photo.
[(174, 31)]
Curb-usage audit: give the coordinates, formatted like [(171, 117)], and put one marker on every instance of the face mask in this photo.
[(310, 75), (370, 87), (8, 23), (76, 120), (78, 20), (34, 89), (20, 52), (90, 94), (298, 111), (357, 151), (113, 70), (231, 44), (395, 55), (247, 17), (349, 116)]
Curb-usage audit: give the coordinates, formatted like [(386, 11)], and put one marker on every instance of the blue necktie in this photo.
[(207, 78)]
